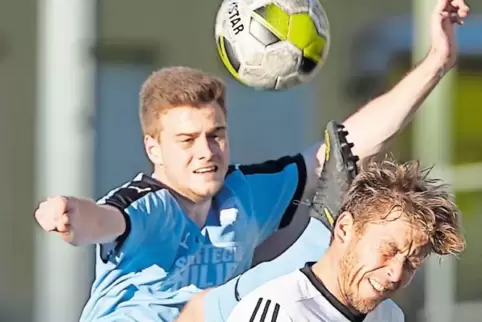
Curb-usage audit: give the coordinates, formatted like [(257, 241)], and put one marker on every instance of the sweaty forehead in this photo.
[(404, 234)]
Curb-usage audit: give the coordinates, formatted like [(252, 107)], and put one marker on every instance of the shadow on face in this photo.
[(377, 258)]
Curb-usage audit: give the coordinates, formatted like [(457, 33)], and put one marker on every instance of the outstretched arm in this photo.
[(380, 120), (80, 221), (119, 222)]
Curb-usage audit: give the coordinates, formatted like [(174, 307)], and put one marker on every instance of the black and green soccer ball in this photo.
[(272, 44)]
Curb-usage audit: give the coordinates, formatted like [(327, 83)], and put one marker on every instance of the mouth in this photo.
[(377, 286), (204, 170)]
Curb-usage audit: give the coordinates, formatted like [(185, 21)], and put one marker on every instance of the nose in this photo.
[(204, 149), (395, 271)]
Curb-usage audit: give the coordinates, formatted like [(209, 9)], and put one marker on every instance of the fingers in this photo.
[(461, 8), (52, 215), (43, 219), (63, 223), (455, 10), (454, 18)]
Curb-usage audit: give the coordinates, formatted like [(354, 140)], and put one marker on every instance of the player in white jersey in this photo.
[(300, 296), (392, 218), (216, 304)]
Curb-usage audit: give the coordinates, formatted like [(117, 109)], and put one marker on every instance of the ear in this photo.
[(343, 230), (153, 150)]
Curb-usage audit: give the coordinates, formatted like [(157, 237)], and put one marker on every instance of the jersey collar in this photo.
[(319, 286)]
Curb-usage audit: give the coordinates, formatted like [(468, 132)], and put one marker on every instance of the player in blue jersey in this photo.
[(195, 221), (191, 225), (339, 170)]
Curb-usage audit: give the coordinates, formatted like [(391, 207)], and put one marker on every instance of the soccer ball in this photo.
[(272, 44)]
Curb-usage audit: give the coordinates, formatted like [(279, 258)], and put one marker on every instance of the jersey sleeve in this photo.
[(397, 315), (141, 205), (388, 310), (276, 187), (258, 309)]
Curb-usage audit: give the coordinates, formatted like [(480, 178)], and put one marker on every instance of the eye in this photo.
[(186, 141), (391, 250), (413, 263), (410, 265), (218, 134)]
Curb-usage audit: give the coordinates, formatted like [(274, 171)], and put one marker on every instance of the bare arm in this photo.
[(375, 124), (381, 119), (99, 223), (80, 221)]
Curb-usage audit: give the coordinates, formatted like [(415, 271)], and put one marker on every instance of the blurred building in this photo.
[(135, 37)]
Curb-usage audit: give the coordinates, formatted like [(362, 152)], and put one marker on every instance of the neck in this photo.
[(197, 210), (327, 270)]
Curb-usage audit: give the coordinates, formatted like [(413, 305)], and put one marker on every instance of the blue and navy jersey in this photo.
[(163, 258)]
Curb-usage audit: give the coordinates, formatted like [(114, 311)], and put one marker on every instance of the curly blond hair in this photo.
[(384, 185)]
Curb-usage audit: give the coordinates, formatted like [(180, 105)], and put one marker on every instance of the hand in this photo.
[(56, 214), (446, 14)]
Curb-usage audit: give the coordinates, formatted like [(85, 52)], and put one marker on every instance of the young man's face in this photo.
[(194, 150), (379, 260)]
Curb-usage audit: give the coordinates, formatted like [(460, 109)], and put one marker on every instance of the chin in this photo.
[(366, 305), (209, 190)]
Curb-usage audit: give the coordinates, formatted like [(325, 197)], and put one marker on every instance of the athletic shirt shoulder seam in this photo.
[(135, 190), (123, 198), (267, 167)]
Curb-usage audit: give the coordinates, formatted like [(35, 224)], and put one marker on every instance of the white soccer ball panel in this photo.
[(256, 4), (257, 77), (221, 23), (319, 17), (293, 6), (259, 58), (285, 82), (249, 50), (232, 20), (252, 56), (282, 58)]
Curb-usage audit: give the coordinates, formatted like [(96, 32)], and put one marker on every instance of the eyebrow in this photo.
[(392, 244), (214, 130), (413, 252)]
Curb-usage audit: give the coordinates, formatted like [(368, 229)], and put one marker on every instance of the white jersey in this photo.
[(301, 297)]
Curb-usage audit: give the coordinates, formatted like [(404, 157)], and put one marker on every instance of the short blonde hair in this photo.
[(384, 185), (173, 87)]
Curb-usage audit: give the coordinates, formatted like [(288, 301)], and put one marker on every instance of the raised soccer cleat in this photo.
[(339, 170)]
